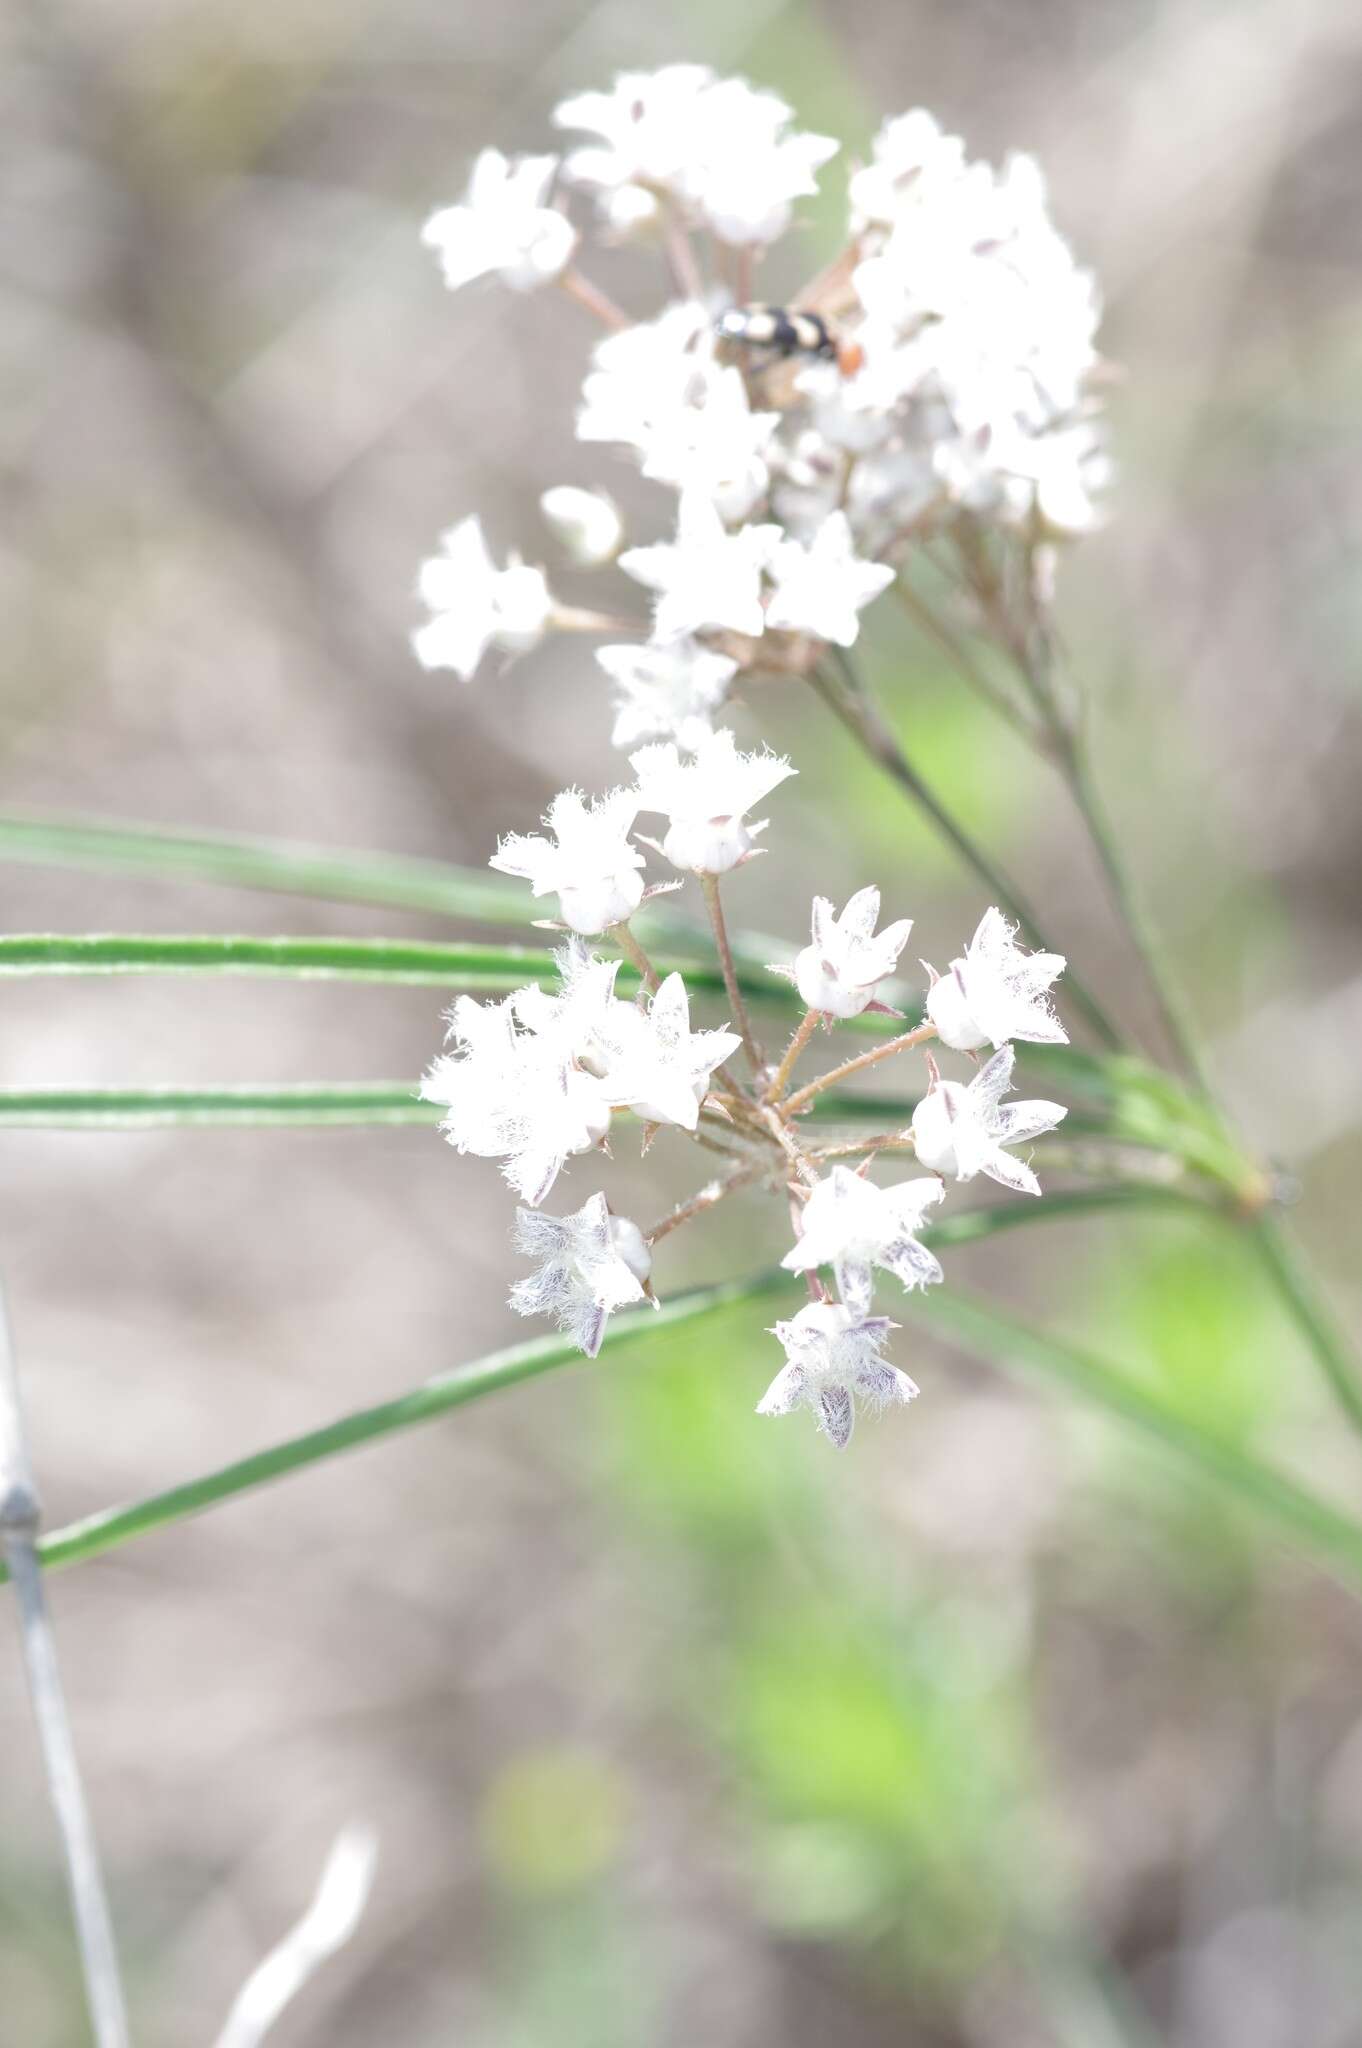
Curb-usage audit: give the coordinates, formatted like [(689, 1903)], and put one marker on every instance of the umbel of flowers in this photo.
[(933, 386)]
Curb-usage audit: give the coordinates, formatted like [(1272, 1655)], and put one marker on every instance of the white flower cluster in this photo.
[(936, 380), (942, 368), (536, 1078)]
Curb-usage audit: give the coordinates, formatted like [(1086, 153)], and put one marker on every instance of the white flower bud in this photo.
[(707, 846), (587, 524), (934, 1127), (948, 1008), (628, 1243)]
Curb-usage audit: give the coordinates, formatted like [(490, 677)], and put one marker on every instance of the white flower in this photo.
[(996, 992), (587, 523), (589, 1266), (715, 449), (504, 225), (593, 868), (706, 799), (821, 588), (641, 377), (910, 159), (477, 605), (648, 128), (961, 1130), (666, 692), (747, 169), (851, 1225), (650, 1061), (833, 1361), (516, 1095), (838, 973), (706, 576)]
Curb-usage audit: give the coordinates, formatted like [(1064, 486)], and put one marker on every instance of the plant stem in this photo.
[(716, 1191), (710, 885), (20, 1516), (1300, 1295), (636, 956), (862, 717), (903, 1043), (804, 1031), (598, 303)]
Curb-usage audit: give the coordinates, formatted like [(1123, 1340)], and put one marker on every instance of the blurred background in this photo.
[(674, 1725)]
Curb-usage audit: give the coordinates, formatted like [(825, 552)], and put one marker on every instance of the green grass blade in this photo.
[(434, 1397), (292, 870), (242, 1106), (1312, 1524)]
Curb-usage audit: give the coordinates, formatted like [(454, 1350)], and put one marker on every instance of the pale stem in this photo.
[(635, 955), (891, 1141), (862, 717), (571, 618), (598, 303), (903, 1043), (20, 1515), (681, 256), (743, 1023), (790, 1146), (946, 638), (803, 1033), (744, 267), (705, 1199)]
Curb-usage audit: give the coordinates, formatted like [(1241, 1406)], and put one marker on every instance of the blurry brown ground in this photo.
[(526, 1644)]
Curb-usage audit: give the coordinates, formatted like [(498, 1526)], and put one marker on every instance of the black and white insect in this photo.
[(768, 334)]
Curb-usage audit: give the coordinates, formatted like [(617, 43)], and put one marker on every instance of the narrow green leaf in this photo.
[(1314, 1525), (292, 870), (125, 1109), (114, 1526)]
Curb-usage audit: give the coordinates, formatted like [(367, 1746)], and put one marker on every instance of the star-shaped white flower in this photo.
[(747, 169), (996, 992), (590, 863), (647, 125), (665, 692), (839, 972), (477, 605), (716, 449), (833, 1363), (706, 577), (504, 225), (516, 1095), (911, 159), (707, 798), (822, 588), (643, 376), (591, 1263), (851, 1225), (960, 1131), (650, 1061)]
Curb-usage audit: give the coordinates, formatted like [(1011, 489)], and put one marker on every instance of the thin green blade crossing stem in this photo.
[(1313, 1525)]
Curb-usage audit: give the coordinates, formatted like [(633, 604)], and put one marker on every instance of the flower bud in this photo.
[(934, 1126), (628, 1243), (948, 1008), (707, 846), (592, 907), (587, 524)]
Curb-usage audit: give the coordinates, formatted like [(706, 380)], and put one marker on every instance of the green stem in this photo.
[(862, 717), (121, 1109), (114, 1526), (1315, 1525), (291, 870), (1301, 1296)]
